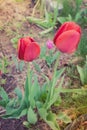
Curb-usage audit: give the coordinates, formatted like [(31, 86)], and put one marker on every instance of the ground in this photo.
[(14, 23)]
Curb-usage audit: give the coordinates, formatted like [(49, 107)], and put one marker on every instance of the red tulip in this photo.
[(67, 37), (28, 49)]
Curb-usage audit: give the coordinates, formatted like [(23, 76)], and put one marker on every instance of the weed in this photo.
[(15, 40), (82, 47), (49, 21), (72, 11), (3, 65)]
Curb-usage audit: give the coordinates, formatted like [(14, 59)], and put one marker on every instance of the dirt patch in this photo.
[(11, 124), (14, 11)]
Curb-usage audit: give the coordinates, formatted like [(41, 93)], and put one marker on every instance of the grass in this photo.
[(78, 102), (82, 48)]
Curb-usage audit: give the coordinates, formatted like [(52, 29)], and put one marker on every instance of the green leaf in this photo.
[(14, 41), (35, 92), (52, 100), (14, 112), (18, 93), (59, 88), (21, 65), (81, 73), (54, 57), (51, 120), (31, 116), (40, 22), (24, 112), (56, 95), (51, 58), (59, 73), (43, 52), (57, 76), (11, 105), (3, 103), (78, 16), (49, 117), (39, 104), (55, 14), (26, 124), (16, 62), (62, 116), (62, 19), (4, 95), (46, 31), (37, 67), (44, 88), (43, 113)]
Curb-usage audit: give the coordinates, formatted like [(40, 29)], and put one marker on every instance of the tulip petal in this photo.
[(32, 51), (21, 48), (68, 41), (66, 27)]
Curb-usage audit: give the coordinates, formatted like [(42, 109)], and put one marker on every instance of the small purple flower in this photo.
[(49, 44)]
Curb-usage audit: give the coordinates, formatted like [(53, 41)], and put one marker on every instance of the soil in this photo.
[(14, 23), (78, 124), (12, 124)]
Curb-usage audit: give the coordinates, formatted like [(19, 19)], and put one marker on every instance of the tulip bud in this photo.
[(49, 44)]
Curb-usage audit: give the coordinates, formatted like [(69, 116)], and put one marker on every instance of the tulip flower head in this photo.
[(49, 44), (67, 37), (28, 49)]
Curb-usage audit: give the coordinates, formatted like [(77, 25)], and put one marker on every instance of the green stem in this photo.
[(51, 87), (29, 87), (53, 82)]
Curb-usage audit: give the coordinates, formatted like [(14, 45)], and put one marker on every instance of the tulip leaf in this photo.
[(21, 65), (62, 116), (57, 75), (81, 73), (43, 52), (12, 112), (3, 94), (56, 95), (35, 92), (18, 93), (37, 67), (4, 97), (31, 116), (43, 113), (26, 124), (51, 120), (24, 112)]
